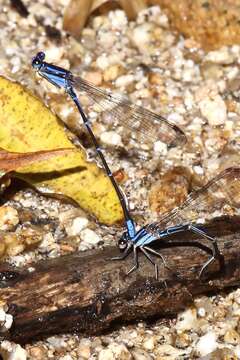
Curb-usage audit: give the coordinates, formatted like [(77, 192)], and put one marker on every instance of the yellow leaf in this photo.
[(26, 125)]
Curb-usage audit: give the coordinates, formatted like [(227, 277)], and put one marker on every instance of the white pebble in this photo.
[(18, 353), (102, 62), (175, 118), (149, 343), (187, 320), (198, 169), (237, 351), (106, 354), (118, 19), (56, 342), (90, 237), (160, 148), (214, 109), (8, 217), (188, 100), (2, 315), (201, 312), (111, 138), (77, 226), (115, 351), (141, 35), (54, 53), (66, 357), (14, 351), (207, 343), (84, 348), (221, 56), (8, 321), (124, 80)]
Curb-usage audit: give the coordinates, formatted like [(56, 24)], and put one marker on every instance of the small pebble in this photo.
[(111, 138), (84, 349), (160, 148), (66, 357), (118, 19), (149, 343), (6, 320), (141, 35), (124, 81), (57, 342), (187, 320), (183, 340), (214, 110), (222, 56), (232, 337), (115, 351), (11, 351), (8, 218), (207, 343), (103, 62), (78, 224), (94, 77), (112, 72), (90, 237), (38, 353)]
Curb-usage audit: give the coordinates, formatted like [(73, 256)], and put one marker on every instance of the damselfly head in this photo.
[(123, 241), (37, 60)]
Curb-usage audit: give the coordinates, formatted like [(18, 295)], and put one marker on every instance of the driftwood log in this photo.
[(86, 292)]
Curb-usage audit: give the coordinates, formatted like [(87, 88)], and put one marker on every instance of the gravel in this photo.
[(173, 76)]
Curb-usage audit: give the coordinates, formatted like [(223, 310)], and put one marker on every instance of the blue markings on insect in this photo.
[(131, 228), (55, 80), (144, 238)]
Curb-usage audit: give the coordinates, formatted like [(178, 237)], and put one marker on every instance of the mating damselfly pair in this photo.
[(219, 190)]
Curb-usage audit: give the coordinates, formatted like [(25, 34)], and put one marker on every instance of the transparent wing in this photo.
[(221, 190), (137, 119)]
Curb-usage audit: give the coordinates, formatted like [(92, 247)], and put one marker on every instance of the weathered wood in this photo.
[(86, 292)]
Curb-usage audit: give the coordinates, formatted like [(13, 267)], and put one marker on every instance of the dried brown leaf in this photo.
[(78, 11), (10, 161), (97, 3), (132, 8), (76, 15)]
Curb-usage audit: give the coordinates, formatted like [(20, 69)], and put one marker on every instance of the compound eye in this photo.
[(40, 56)]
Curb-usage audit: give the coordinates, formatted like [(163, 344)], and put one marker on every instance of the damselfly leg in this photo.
[(135, 261), (215, 250)]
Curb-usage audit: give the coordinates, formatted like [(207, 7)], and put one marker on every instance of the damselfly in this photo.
[(222, 190), (136, 118)]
